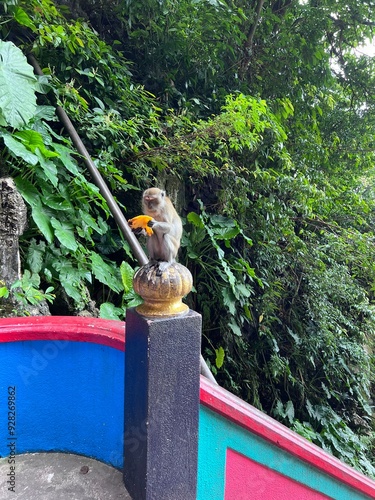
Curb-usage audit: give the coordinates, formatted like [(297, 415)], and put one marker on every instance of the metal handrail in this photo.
[(107, 195), (97, 177)]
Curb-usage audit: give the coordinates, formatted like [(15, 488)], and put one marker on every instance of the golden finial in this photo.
[(162, 290)]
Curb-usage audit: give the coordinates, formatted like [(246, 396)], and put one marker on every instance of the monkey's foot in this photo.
[(162, 286), (159, 266), (163, 266)]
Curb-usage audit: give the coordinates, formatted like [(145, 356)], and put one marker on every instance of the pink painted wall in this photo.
[(246, 479)]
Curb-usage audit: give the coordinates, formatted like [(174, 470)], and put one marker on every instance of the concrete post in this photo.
[(162, 367)]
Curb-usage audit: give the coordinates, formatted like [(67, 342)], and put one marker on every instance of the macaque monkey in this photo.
[(164, 242)]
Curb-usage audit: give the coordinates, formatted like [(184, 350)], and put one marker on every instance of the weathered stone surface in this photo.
[(13, 213), (13, 218)]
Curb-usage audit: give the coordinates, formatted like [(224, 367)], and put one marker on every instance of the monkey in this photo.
[(166, 225)]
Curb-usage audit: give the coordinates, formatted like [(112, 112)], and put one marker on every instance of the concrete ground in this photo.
[(60, 476)]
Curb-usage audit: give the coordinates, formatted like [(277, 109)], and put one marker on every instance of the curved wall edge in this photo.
[(75, 328)]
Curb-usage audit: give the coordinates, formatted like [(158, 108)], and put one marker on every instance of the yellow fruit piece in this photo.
[(141, 222)]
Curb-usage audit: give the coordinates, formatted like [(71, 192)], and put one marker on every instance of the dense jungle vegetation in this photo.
[(258, 118)]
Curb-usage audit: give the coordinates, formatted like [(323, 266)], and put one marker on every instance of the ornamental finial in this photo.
[(162, 290)]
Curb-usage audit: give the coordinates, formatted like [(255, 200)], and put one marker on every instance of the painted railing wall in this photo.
[(244, 454), (68, 375)]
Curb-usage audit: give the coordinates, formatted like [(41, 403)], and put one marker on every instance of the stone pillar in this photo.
[(13, 218), (162, 367)]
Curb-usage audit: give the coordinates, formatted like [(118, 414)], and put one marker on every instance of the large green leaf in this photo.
[(35, 255), (110, 311), (49, 169), (18, 149), (34, 140), (104, 273), (28, 191), (65, 234), (42, 220), (66, 158), (127, 274), (22, 18), (17, 86)]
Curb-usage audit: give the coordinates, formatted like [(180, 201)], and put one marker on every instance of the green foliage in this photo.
[(213, 251), (4, 292), (266, 119), (17, 87), (180, 55), (293, 308), (69, 216), (27, 290)]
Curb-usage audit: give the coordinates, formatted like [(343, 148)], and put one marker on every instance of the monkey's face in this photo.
[(153, 199)]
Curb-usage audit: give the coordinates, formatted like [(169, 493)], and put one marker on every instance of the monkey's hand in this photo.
[(141, 223)]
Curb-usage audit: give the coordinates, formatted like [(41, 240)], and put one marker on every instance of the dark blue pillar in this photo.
[(162, 367)]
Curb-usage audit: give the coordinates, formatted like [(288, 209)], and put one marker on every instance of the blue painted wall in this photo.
[(69, 397)]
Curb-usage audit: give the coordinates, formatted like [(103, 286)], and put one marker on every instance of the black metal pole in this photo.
[(107, 195), (97, 177)]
